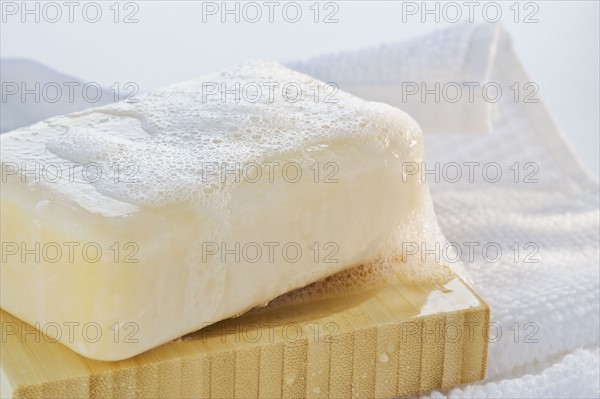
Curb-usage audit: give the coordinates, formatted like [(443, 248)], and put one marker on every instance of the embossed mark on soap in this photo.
[(69, 252), (71, 331), (252, 12), (470, 11), (68, 92), (70, 11)]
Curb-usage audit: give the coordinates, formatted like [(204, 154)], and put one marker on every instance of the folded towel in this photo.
[(559, 295), (544, 311), (438, 79)]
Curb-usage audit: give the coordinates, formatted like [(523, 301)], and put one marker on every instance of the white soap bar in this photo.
[(130, 225)]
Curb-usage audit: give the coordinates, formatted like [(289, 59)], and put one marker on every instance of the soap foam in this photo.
[(178, 130)]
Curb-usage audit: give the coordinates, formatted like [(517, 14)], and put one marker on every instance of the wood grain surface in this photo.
[(399, 338)]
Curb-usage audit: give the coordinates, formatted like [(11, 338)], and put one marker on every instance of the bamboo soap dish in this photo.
[(396, 338)]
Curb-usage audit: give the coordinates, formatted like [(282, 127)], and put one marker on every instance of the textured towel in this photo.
[(447, 62), (546, 312)]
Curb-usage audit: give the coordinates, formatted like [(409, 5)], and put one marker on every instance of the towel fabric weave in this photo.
[(545, 314)]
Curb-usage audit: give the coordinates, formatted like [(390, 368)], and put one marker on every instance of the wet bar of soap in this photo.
[(130, 225)]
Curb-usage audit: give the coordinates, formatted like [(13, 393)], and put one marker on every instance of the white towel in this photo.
[(555, 301), (448, 62)]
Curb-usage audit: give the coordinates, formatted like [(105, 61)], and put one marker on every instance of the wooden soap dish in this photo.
[(398, 338)]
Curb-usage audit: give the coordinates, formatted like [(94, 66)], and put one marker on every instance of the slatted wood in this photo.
[(400, 338)]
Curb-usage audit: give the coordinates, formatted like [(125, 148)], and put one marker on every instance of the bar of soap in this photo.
[(129, 225)]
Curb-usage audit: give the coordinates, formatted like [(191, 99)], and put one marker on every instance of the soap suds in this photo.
[(183, 132)]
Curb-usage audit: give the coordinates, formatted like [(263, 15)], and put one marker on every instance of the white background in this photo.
[(171, 43)]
